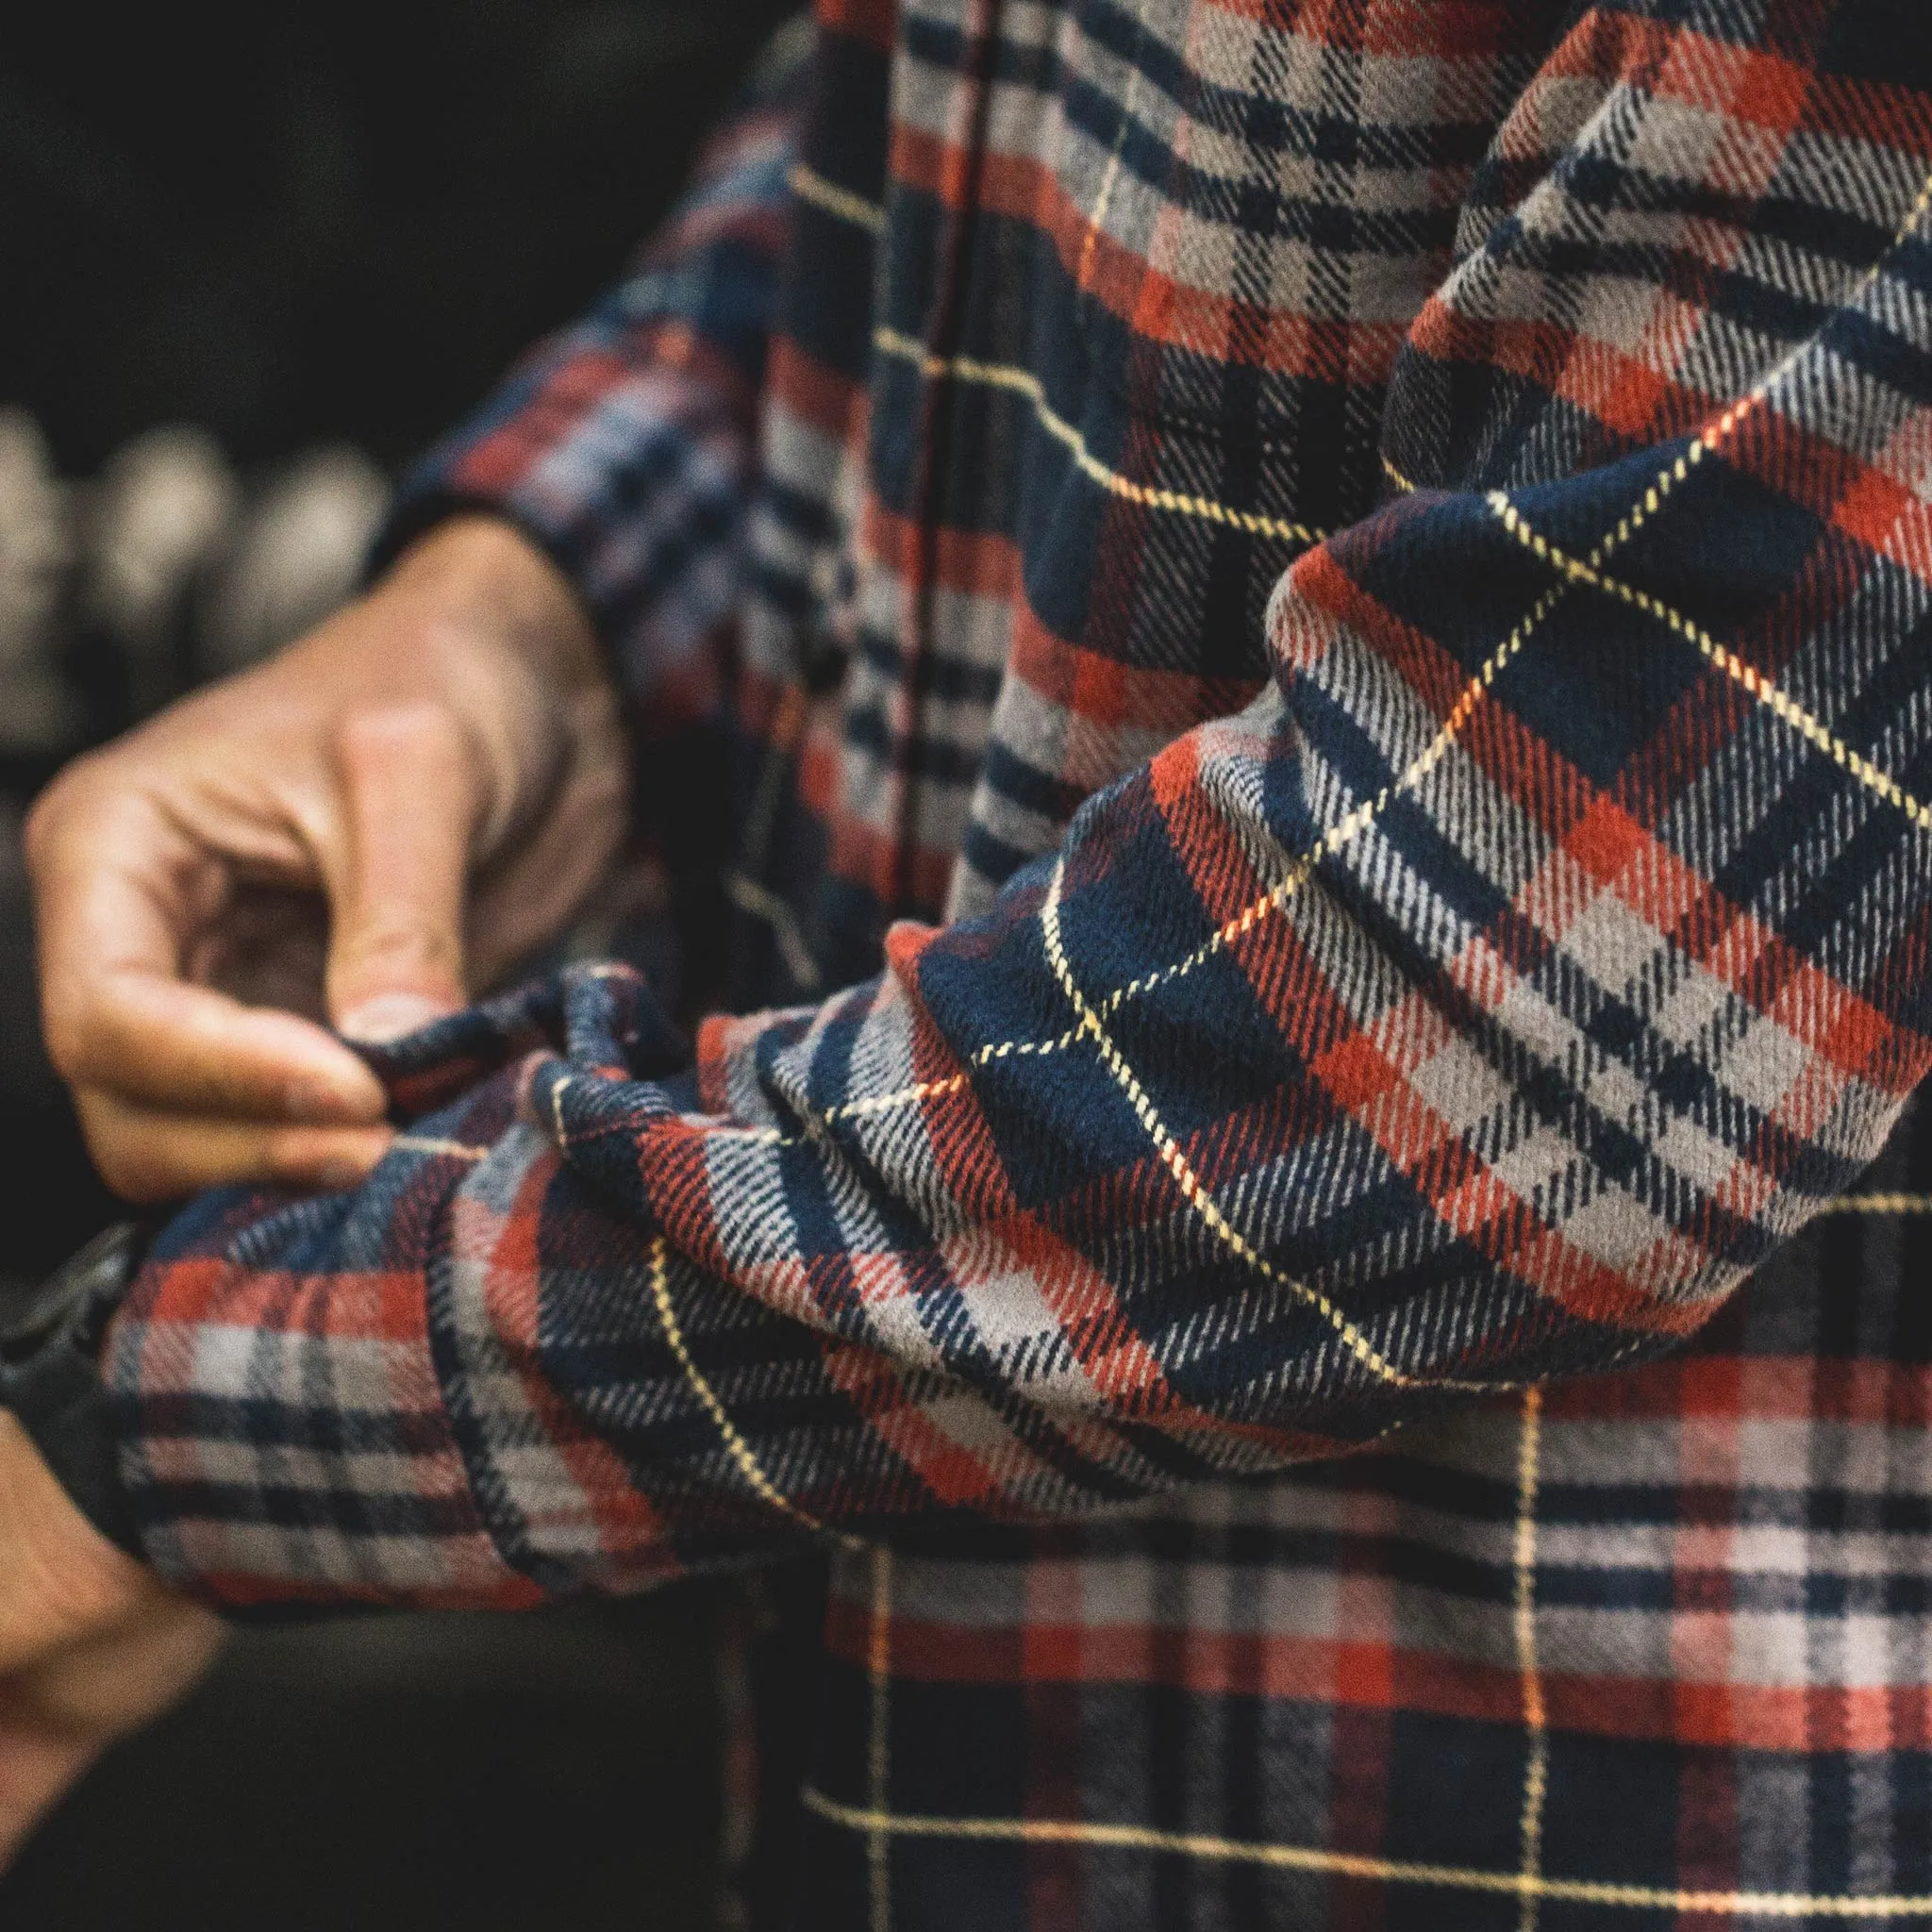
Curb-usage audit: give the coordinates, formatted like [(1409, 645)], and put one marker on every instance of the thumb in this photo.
[(399, 881)]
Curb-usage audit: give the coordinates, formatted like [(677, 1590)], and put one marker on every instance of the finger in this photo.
[(117, 895), (146, 1154), (397, 886), (165, 1044)]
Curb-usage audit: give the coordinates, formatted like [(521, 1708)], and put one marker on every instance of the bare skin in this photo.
[(92, 1645), (351, 835), (440, 765)]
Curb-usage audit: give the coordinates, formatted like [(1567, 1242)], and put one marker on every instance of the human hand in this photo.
[(91, 1644), (397, 807)]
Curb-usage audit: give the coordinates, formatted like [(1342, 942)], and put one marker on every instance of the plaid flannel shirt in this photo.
[(1326, 629)]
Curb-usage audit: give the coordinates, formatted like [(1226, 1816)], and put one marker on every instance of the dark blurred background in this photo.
[(254, 258)]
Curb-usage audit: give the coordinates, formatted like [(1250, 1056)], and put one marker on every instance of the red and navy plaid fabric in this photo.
[(1329, 637)]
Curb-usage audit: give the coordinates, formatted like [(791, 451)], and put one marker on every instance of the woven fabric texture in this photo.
[(1324, 614)]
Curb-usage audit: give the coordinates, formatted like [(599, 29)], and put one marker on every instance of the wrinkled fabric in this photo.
[(1326, 639)]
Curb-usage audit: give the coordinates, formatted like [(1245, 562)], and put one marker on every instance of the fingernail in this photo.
[(390, 1015)]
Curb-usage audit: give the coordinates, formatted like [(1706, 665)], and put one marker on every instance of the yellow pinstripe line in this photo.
[(1024, 383), (1338, 835), (1128, 108), (762, 902), (429, 1144), (1760, 688), (740, 1450), (1189, 1844), (905, 1096), (809, 184), (1880, 1203), (1196, 1193), (879, 1846), (1346, 828), (1536, 1769)]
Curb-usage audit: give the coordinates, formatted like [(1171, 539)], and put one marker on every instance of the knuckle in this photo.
[(407, 734)]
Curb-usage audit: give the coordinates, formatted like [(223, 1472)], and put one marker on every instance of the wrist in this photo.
[(62, 1577), (480, 570)]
